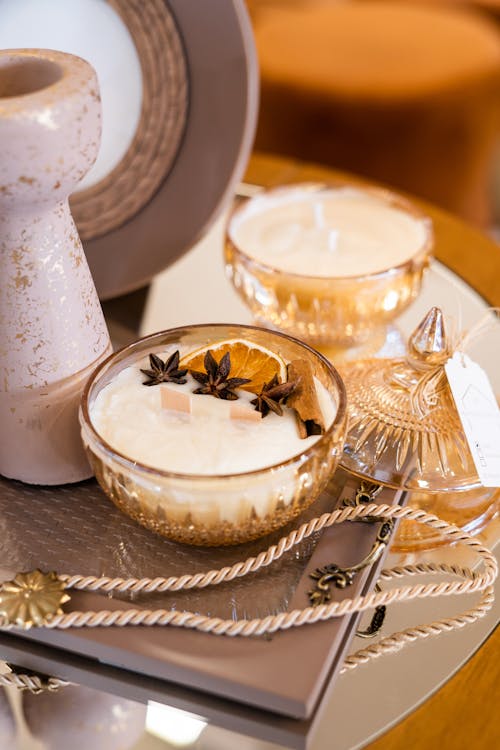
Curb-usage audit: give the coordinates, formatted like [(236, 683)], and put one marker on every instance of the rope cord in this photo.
[(32, 683), (240, 569), (472, 581)]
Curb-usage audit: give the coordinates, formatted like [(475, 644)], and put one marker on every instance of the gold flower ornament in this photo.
[(31, 599)]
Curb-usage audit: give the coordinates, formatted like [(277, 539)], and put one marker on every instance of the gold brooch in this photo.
[(31, 599)]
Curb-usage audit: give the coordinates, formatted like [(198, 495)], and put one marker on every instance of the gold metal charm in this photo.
[(31, 599), (343, 577), (376, 622)]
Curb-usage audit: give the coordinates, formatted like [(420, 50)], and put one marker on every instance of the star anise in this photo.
[(216, 381), (272, 396), (164, 372)]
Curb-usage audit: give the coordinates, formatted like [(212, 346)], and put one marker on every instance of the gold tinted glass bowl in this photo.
[(214, 510), (336, 311), (405, 432)]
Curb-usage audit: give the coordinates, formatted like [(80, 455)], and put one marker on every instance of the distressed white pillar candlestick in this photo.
[(52, 330)]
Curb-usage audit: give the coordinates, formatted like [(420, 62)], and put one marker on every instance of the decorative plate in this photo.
[(179, 87)]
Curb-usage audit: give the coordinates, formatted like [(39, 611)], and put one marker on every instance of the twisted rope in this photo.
[(31, 682), (473, 581), (397, 641), (273, 553)]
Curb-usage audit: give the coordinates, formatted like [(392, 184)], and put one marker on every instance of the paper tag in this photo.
[(479, 413)]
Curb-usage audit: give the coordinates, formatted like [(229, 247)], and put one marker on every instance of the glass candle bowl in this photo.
[(330, 264), (405, 432), (215, 509)]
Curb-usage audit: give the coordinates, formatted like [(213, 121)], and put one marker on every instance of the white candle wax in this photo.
[(129, 416), (337, 232)]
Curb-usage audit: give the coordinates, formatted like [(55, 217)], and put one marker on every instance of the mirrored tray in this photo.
[(433, 661), (65, 537)]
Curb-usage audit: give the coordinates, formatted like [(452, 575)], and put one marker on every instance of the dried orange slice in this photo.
[(248, 360)]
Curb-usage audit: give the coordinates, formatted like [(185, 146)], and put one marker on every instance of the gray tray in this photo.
[(76, 529)]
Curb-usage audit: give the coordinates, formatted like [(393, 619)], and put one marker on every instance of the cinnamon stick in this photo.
[(304, 399)]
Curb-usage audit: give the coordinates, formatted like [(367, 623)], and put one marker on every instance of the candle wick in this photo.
[(319, 216), (332, 240)]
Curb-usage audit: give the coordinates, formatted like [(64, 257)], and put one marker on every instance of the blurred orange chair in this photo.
[(408, 94), (492, 7)]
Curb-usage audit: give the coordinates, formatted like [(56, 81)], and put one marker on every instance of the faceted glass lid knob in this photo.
[(428, 342)]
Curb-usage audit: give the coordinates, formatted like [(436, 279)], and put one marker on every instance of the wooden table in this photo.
[(462, 715)]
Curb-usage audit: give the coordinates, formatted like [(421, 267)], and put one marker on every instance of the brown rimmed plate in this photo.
[(194, 130)]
